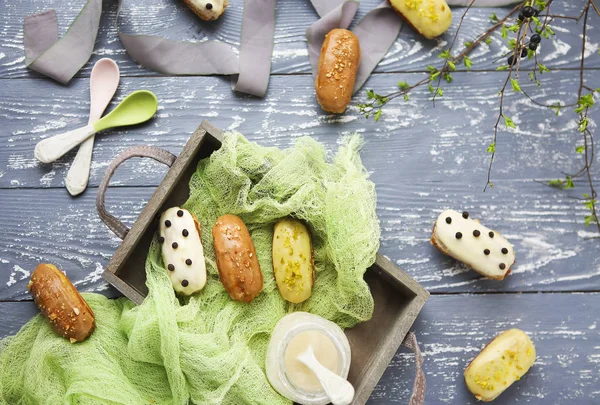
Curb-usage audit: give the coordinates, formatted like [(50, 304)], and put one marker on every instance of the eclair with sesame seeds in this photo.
[(59, 301), (293, 263), (431, 18), (238, 266), (337, 68), (467, 240)]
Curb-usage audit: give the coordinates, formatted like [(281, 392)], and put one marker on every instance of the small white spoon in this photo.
[(338, 389), (104, 81)]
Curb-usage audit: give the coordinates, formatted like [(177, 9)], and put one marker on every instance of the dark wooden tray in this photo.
[(398, 298)]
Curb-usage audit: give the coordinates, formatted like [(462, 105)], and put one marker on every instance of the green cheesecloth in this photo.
[(209, 349)]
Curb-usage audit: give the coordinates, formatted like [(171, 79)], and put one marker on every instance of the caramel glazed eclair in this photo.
[(182, 251), (465, 239)]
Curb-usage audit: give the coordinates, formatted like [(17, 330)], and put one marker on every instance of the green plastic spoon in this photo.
[(136, 108)]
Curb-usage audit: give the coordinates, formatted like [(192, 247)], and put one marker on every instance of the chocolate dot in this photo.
[(491, 234), (448, 220), (188, 262), (465, 214), (184, 283), (175, 245), (180, 213), (486, 252), (167, 223), (458, 235), (476, 233), (185, 233), (502, 266), (171, 267), (209, 6), (504, 250), (161, 239)]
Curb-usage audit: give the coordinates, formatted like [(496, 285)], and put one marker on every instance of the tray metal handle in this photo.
[(160, 155)]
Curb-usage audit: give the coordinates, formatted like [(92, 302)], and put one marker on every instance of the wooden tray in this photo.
[(398, 298)]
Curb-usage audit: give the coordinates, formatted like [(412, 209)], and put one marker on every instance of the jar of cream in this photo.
[(292, 336)]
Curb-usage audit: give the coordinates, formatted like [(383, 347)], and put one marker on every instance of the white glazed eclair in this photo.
[(182, 251), (465, 239)]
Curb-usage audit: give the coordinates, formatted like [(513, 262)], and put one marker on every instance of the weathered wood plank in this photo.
[(415, 138), (452, 329), (553, 250), (171, 19)]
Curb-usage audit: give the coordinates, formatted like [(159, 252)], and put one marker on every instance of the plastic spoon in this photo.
[(137, 107), (338, 389), (104, 81)]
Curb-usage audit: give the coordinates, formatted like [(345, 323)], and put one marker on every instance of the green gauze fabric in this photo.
[(209, 349)]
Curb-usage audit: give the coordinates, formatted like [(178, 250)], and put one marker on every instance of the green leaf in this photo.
[(447, 77), (403, 85), (504, 32), (377, 115), (431, 69), (433, 76), (468, 44), (370, 94), (536, 21), (445, 54), (431, 89), (452, 65), (514, 28), (530, 54), (468, 63), (569, 183), (505, 67), (558, 183), (540, 4), (531, 76), (588, 220), (580, 149), (440, 92), (583, 124), (494, 17), (491, 148), (515, 85), (512, 43), (508, 122), (488, 41), (406, 97), (589, 204), (543, 68)]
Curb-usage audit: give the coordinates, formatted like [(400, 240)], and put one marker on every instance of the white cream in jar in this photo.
[(292, 335)]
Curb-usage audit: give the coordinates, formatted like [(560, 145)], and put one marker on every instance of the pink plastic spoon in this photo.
[(104, 81)]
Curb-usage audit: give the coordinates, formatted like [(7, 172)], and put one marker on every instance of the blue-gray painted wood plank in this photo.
[(554, 251), (170, 18), (451, 331), (414, 141)]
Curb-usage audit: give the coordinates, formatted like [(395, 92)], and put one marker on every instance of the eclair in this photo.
[(182, 251), (465, 239)]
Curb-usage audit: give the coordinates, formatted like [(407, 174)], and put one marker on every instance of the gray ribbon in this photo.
[(62, 58), (376, 32)]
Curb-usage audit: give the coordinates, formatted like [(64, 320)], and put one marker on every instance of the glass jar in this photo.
[(290, 327)]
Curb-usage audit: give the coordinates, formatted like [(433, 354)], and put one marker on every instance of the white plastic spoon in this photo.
[(104, 81), (136, 108), (338, 389)]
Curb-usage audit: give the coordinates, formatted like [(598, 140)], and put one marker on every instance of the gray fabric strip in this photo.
[(62, 58), (376, 32)]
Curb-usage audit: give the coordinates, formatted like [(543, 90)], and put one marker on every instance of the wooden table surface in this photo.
[(422, 158)]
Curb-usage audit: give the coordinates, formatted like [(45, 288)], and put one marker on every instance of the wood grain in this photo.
[(413, 140), (452, 329), (171, 19)]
